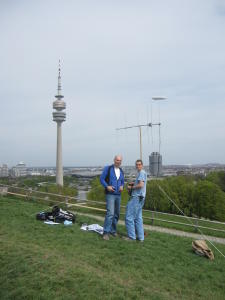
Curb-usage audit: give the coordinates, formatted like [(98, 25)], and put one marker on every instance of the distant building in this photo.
[(4, 170), (155, 164), (19, 170), (3, 190), (35, 173)]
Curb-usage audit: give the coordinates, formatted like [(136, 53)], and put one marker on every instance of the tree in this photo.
[(209, 201), (217, 178)]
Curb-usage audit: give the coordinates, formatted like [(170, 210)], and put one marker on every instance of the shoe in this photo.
[(114, 234), (126, 238), (105, 237), (140, 241)]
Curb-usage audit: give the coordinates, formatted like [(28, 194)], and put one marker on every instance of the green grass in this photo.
[(38, 261)]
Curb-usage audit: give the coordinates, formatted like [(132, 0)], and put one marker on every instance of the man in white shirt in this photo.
[(112, 179)]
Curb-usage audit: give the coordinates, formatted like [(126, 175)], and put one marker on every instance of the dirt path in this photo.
[(167, 230)]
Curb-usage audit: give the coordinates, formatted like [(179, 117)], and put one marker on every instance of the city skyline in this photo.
[(115, 57)]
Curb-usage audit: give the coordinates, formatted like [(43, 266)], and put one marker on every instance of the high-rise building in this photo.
[(19, 170), (59, 116), (4, 170), (155, 164)]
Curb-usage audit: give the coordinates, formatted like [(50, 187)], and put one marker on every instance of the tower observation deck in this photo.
[(59, 116)]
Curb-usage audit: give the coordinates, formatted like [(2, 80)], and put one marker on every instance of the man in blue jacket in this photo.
[(112, 179)]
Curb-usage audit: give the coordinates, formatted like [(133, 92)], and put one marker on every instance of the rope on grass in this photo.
[(162, 190)]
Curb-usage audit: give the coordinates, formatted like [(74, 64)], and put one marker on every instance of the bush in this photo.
[(217, 178), (195, 196), (209, 201)]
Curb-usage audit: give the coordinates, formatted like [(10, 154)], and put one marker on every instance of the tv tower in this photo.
[(59, 116)]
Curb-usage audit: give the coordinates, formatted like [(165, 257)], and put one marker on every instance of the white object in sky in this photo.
[(156, 98)]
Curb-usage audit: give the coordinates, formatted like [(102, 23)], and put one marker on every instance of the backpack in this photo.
[(44, 216), (201, 248), (57, 215), (62, 215)]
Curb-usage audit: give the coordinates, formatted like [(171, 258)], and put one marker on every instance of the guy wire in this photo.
[(162, 190)]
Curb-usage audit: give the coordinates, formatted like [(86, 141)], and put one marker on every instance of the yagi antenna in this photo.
[(140, 133)]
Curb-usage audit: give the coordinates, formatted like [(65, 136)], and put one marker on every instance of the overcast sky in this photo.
[(115, 56)]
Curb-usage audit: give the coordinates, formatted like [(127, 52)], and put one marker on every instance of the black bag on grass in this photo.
[(56, 215), (60, 215), (44, 216)]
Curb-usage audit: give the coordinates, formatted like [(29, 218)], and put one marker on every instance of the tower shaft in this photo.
[(59, 166)]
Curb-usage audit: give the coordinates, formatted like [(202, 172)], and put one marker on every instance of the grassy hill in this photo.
[(38, 261)]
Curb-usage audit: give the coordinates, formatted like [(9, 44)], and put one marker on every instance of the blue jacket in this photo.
[(112, 179)]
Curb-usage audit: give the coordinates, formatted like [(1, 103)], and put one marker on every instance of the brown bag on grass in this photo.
[(200, 248)]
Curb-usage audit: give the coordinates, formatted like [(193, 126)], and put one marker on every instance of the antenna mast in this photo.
[(159, 99), (140, 133)]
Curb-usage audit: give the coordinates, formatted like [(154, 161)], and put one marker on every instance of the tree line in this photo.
[(193, 194), (43, 184)]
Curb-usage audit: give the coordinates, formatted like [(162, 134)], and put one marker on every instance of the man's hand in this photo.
[(130, 186), (121, 188), (110, 188)]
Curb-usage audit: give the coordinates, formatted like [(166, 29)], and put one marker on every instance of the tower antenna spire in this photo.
[(59, 80)]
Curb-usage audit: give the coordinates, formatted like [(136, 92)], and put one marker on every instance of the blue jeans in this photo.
[(112, 213), (133, 218)]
